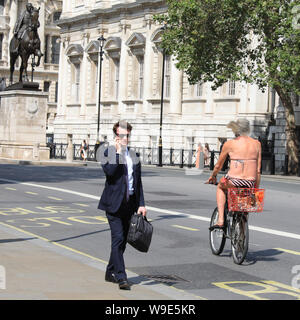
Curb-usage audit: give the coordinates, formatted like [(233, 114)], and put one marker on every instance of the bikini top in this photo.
[(242, 162)]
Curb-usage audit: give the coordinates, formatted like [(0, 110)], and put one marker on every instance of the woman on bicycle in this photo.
[(245, 164)]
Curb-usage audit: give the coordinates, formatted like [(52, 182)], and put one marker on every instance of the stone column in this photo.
[(66, 7), (62, 81), (123, 73), (83, 76), (148, 66), (69, 152)]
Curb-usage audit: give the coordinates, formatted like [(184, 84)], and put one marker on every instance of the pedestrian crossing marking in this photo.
[(8, 188), (185, 228), (288, 251), (54, 198)]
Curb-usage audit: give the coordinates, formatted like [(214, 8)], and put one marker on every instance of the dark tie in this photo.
[(126, 176)]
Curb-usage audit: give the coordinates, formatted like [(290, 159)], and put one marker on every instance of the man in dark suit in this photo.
[(121, 198)]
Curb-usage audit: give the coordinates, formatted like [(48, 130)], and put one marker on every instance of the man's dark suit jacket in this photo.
[(115, 184)]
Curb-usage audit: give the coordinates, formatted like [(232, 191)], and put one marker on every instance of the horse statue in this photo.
[(28, 44)]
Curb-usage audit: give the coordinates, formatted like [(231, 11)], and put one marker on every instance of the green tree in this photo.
[(257, 41)]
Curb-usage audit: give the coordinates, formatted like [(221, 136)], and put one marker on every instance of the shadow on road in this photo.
[(55, 174), (15, 240), (263, 255), (79, 236)]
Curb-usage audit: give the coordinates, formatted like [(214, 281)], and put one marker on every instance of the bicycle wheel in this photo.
[(217, 237), (239, 237)]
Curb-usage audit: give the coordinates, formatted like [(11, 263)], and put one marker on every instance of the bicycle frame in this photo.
[(236, 229)]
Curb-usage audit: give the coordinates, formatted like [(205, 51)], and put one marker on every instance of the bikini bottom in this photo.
[(241, 183)]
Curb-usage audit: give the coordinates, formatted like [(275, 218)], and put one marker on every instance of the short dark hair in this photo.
[(123, 124)]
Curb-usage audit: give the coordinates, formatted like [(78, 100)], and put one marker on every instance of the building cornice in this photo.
[(96, 15)]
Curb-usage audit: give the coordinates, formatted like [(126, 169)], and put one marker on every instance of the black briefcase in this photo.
[(140, 233)]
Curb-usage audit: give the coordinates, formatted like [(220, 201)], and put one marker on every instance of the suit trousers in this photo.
[(119, 226)]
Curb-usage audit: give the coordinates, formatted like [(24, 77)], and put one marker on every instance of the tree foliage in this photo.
[(257, 41)]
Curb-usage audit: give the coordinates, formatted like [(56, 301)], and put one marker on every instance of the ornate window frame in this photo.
[(136, 43), (113, 47)]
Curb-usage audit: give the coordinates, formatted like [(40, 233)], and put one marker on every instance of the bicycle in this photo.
[(241, 202)]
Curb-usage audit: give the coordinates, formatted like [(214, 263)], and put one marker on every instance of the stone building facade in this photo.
[(131, 82), (47, 73)]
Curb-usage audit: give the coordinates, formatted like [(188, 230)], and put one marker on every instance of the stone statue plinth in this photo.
[(23, 116), (30, 86)]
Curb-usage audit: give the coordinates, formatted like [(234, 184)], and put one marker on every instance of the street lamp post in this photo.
[(101, 44), (160, 147)]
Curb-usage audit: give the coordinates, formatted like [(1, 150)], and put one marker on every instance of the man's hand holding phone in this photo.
[(118, 145)]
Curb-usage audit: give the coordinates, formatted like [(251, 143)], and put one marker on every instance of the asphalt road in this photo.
[(60, 204)]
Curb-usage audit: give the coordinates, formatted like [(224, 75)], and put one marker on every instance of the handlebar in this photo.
[(212, 183)]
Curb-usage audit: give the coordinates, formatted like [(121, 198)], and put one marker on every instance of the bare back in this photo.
[(245, 157)]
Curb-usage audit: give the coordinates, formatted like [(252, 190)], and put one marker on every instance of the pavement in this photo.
[(33, 267)]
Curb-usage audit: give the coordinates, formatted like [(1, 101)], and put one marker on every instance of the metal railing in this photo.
[(77, 155), (170, 157), (59, 151)]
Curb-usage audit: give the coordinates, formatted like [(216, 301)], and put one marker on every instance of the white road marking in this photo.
[(182, 214)]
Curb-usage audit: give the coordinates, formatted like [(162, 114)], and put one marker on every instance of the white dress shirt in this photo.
[(129, 172)]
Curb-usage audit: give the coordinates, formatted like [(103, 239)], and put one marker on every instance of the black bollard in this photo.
[(212, 160)]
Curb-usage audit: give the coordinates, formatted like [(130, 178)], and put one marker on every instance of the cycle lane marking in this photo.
[(182, 214), (81, 204), (297, 253), (54, 198), (185, 228), (268, 287)]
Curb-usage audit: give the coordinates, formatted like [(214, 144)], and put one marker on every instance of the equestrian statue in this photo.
[(25, 42)]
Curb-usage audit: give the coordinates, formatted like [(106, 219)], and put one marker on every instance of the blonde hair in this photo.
[(241, 127)]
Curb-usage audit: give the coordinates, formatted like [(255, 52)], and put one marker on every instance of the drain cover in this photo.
[(167, 279)]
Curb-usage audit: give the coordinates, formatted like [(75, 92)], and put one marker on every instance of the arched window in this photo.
[(113, 48), (156, 39), (136, 43), (92, 50)]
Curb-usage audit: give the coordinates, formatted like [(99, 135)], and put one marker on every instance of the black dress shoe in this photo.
[(124, 284), (109, 277)]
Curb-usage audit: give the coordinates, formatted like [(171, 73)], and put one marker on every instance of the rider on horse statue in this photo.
[(25, 42), (22, 24)]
